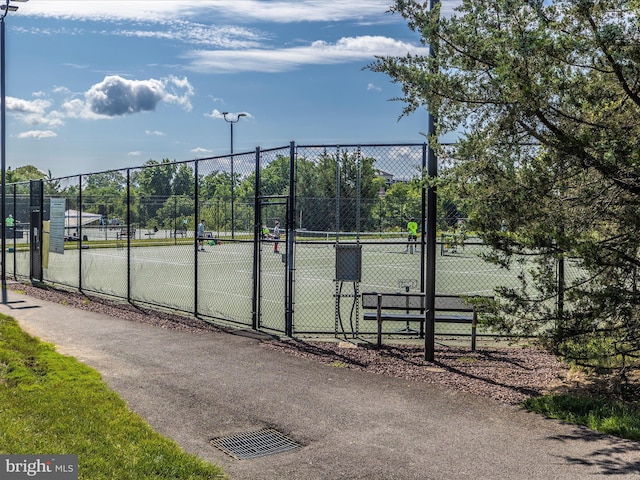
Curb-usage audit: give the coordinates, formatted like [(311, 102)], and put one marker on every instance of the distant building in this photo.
[(388, 177)]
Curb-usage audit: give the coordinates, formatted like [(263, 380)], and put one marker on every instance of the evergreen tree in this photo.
[(548, 97)]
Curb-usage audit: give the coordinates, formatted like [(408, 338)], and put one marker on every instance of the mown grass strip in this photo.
[(53, 404), (603, 415)]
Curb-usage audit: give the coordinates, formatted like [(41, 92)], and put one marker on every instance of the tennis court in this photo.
[(219, 282), (141, 245)]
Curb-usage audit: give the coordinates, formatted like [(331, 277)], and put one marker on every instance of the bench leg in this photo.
[(379, 321), (474, 327), (473, 338)]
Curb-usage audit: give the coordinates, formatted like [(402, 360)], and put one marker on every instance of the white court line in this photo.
[(204, 261), (207, 290), (475, 272)]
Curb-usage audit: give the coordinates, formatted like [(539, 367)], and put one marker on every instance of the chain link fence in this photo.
[(281, 228)]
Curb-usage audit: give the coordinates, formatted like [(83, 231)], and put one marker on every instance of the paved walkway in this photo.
[(352, 424)]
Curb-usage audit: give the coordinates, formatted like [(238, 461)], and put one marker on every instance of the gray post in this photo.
[(429, 336), (432, 171), (291, 221), (257, 233)]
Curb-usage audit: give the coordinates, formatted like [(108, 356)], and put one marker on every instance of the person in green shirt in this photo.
[(412, 228), (9, 222)]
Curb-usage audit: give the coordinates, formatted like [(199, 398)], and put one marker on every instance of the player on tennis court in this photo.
[(412, 227), (201, 236), (276, 236)]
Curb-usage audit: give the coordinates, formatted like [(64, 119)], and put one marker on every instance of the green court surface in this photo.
[(168, 275)]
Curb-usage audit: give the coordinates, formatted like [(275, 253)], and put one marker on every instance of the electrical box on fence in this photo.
[(348, 262)]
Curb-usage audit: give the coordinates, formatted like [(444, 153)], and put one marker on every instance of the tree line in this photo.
[(336, 191)]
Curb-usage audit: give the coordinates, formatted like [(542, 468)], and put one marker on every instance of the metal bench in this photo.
[(410, 307), (124, 233), (151, 233)]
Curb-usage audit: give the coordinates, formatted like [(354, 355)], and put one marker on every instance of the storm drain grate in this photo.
[(244, 446)]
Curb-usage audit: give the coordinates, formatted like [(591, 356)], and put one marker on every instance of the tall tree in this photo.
[(184, 180), (547, 94), (103, 193), (24, 174), (153, 184)]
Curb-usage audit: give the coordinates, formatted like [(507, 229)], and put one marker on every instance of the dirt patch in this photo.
[(506, 374)]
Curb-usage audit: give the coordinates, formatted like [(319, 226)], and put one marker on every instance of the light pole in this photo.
[(6, 8), (231, 120)]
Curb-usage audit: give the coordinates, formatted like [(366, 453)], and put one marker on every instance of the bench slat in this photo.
[(464, 312), (454, 318), (393, 301), (412, 317), (415, 301), (400, 317)]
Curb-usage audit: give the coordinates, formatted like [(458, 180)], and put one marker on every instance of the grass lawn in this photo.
[(604, 415), (53, 404)]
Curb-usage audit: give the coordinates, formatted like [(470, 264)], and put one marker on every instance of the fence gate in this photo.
[(274, 246), (35, 230)]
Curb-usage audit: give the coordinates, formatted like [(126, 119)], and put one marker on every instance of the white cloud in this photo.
[(33, 112), (215, 114), (18, 105), (117, 96), (200, 150), (155, 133), (198, 34), (373, 87), (281, 11), (38, 134), (345, 50), (134, 154), (303, 10), (114, 96)]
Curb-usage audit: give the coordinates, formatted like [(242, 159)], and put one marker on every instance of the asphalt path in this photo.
[(349, 424)]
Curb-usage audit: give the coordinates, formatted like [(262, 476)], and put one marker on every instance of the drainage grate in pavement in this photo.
[(244, 446)]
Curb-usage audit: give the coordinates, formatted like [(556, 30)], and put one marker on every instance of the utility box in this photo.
[(348, 262)]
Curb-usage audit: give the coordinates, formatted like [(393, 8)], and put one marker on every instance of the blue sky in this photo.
[(96, 85)]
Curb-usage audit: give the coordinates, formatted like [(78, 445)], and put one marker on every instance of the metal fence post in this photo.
[(257, 230), (429, 335), (196, 221), (128, 235), (291, 219), (79, 233), (432, 171)]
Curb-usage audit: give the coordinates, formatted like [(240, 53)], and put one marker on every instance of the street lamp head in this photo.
[(6, 8), (233, 118)]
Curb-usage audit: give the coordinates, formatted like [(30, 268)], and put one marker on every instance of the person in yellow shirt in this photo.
[(412, 237)]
